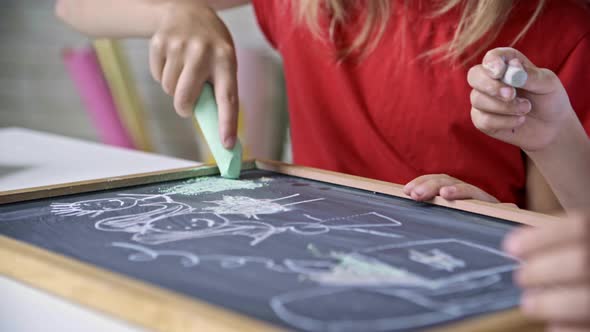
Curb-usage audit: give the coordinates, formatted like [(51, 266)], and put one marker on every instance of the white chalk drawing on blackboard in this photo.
[(437, 259), (252, 207), (438, 294), (95, 207), (158, 218), (188, 259)]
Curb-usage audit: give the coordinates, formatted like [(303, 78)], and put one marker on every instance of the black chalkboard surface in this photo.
[(295, 252)]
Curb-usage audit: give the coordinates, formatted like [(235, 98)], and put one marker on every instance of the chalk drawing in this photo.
[(187, 259), (158, 218), (252, 207), (437, 299), (440, 279), (358, 270), (94, 207), (213, 184), (437, 259), (371, 271)]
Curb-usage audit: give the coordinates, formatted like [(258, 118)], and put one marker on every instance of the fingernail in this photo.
[(184, 113), (515, 62), (494, 67), (229, 142), (407, 189), (524, 105), (511, 243), (507, 92), (188, 112), (450, 190)]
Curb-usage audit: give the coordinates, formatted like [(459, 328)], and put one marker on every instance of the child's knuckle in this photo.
[(157, 42), (224, 51), (176, 45)]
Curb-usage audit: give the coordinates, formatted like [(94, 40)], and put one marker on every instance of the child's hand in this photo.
[(555, 273), (426, 187), (192, 46), (529, 118)]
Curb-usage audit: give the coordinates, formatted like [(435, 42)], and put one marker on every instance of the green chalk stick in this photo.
[(229, 162)]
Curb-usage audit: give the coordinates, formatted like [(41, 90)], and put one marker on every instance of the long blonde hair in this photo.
[(479, 19)]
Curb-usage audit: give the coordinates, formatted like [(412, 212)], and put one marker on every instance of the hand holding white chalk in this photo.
[(533, 117)]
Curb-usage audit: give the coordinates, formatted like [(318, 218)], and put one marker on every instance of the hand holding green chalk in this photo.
[(229, 162)]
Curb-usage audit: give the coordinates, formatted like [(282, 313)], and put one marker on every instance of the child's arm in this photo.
[(130, 18), (541, 121), (122, 19), (189, 46), (539, 196), (111, 18), (555, 275)]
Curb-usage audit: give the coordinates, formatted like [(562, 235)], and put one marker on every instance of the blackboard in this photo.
[(297, 253)]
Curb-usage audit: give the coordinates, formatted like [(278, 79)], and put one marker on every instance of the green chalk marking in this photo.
[(354, 269), (229, 162), (198, 186)]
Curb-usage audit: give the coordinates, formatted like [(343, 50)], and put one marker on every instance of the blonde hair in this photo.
[(479, 19)]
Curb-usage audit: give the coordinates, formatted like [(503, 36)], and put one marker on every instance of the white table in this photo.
[(29, 159)]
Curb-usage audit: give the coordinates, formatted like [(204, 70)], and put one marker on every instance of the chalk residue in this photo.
[(437, 259), (358, 270), (212, 184), (247, 206), (252, 207)]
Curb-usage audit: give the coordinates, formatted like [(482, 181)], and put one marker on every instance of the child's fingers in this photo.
[(466, 191), (427, 187), (499, 57), (516, 63), (568, 328), (481, 80), (539, 270), (188, 89), (156, 58), (430, 188), (225, 85), (560, 304), (171, 72), (526, 241), (539, 81), (481, 101), (423, 178), (491, 123)]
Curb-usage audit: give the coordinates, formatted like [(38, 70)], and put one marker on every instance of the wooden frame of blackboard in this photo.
[(159, 309)]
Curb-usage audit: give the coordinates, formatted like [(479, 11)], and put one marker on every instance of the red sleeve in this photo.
[(575, 76), (264, 15)]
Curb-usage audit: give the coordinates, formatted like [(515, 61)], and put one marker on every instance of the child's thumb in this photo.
[(540, 80)]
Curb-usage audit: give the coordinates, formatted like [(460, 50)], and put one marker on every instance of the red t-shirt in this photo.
[(395, 115)]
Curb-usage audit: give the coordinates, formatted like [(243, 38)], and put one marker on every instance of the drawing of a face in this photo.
[(188, 222), (183, 226), (93, 207)]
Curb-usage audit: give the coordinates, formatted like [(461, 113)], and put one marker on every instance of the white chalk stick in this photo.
[(515, 76)]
